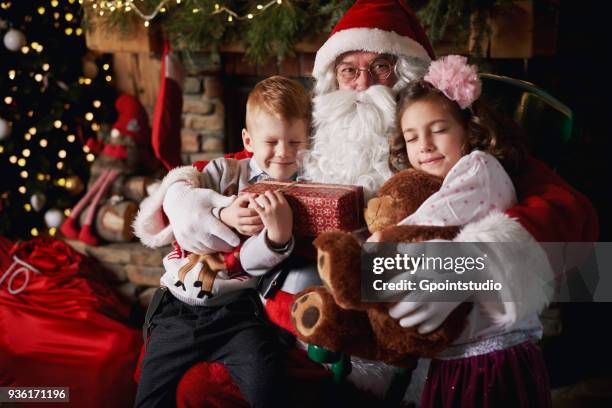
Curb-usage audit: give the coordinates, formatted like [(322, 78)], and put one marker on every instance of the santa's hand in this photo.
[(427, 316), (195, 228), (427, 309)]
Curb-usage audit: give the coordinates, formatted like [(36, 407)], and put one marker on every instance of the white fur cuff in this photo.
[(150, 225), (526, 279)]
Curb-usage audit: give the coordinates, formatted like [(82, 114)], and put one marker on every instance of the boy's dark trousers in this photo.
[(236, 334)]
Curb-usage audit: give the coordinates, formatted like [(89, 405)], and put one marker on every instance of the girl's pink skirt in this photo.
[(512, 377)]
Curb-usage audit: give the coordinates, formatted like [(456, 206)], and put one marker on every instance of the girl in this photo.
[(446, 131)]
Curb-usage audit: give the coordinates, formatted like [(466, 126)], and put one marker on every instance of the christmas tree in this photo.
[(54, 95)]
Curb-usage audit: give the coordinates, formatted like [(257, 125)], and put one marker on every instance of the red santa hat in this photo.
[(381, 26), (132, 120)]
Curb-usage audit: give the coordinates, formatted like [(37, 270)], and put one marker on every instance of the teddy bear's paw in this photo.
[(338, 263), (306, 313)]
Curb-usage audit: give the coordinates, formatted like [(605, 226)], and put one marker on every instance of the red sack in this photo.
[(62, 326)]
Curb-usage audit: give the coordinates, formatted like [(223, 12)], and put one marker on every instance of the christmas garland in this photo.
[(266, 30), (270, 29)]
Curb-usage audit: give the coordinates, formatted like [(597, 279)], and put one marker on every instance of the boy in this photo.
[(221, 318)]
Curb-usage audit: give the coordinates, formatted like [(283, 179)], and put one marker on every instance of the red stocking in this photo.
[(69, 227), (86, 235)]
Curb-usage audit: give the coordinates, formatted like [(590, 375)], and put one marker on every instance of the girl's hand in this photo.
[(276, 216), (243, 219)]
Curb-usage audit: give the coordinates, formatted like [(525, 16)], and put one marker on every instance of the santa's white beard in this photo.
[(351, 139)]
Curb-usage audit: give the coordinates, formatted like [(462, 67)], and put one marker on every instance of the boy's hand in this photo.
[(276, 215), (244, 220)]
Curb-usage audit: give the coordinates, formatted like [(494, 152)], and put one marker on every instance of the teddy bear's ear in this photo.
[(407, 190)]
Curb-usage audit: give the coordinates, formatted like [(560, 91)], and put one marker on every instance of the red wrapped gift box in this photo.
[(318, 207)]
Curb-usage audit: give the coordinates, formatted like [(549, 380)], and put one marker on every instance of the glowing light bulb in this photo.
[(62, 154), (71, 138), (26, 152), (43, 142)]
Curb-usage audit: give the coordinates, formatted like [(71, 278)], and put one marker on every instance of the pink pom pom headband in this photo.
[(455, 78)]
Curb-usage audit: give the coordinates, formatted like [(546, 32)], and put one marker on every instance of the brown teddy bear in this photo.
[(333, 316)]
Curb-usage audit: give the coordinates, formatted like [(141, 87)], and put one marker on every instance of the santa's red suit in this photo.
[(358, 124)]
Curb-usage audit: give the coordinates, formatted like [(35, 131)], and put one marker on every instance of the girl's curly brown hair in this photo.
[(486, 130)]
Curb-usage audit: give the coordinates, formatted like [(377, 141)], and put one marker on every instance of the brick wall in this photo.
[(203, 119)]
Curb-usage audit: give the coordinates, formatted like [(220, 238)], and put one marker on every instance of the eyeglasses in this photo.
[(378, 71)]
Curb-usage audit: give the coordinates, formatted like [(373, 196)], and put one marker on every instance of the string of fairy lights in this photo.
[(19, 44), (126, 6)]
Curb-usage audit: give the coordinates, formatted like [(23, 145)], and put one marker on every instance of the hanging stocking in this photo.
[(166, 134)]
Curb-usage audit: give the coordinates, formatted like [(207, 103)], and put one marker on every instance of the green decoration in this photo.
[(271, 33)]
